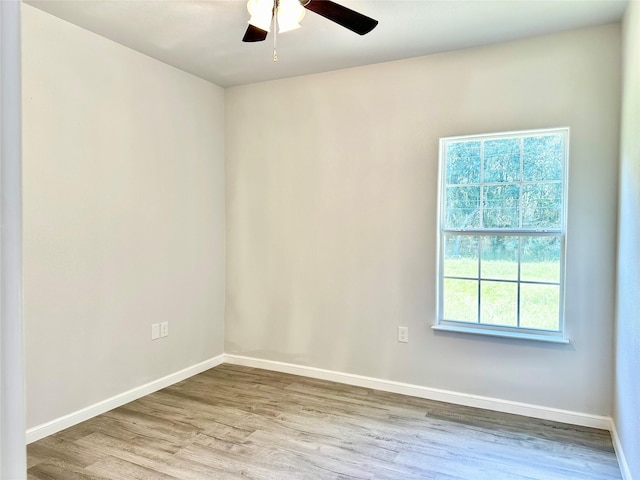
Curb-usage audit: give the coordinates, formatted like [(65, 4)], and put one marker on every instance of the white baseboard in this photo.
[(529, 410), (54, 426), (622, 460), (488, 403)]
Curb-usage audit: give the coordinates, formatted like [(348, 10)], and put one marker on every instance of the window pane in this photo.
[(462, 207), (463, 162), (540, 306), (499, 257), (461, 256), (543, 158), (502, 160), (460, 300), (540, 259), (499, 303), (500, 206), (502, 229), (542, 205)]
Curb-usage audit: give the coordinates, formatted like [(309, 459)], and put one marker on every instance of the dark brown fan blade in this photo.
[(254, 34), (354, 21)]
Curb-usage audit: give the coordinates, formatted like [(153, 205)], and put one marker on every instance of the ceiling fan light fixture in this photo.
[(290, 12), (261, 14), (285, 15)]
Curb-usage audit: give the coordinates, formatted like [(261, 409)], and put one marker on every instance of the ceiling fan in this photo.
[(286, 15)]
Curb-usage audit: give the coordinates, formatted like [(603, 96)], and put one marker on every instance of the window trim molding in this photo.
[(517, 335), (554, 336)]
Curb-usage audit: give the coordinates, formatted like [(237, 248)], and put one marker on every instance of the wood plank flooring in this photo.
[(240, 423)]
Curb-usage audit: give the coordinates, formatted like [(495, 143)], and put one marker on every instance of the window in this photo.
[(502, 228)]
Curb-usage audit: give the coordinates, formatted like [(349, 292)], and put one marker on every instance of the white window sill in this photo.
[(502, 334)]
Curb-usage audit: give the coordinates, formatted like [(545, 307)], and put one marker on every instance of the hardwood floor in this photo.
[(240, 423)]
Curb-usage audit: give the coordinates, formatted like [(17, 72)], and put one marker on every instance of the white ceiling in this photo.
[(203, 37)]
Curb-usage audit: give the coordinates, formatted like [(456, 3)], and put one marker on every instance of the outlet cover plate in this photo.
[(155, 331), (403, 334)]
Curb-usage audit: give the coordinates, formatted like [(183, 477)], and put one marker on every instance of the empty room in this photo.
[(363, 239)]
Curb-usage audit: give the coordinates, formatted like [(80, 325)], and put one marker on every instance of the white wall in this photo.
[(627, 384), (123, 217), (331, 215), (13, 455)]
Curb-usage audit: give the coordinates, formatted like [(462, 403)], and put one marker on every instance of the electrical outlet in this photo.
[(403, 334), (155, 331), (164, 329)]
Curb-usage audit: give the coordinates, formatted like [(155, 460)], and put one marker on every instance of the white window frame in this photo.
[(517, 332)]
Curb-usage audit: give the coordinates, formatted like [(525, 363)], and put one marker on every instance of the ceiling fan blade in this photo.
[(354, 21), (254, 34)]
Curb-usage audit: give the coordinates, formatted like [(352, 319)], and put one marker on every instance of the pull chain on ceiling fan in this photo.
[(287, 14)]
